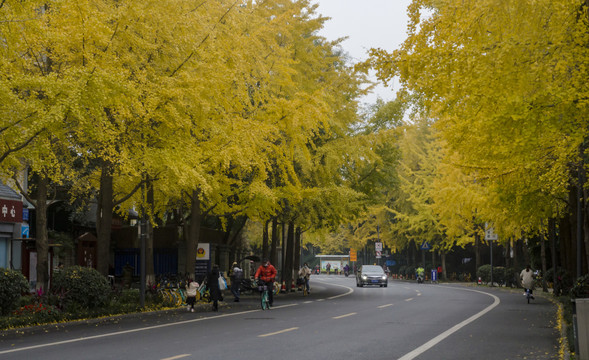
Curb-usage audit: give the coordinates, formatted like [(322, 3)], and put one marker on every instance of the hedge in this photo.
[(13, 284)]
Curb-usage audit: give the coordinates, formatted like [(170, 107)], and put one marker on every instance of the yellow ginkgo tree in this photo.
[(505, 85)]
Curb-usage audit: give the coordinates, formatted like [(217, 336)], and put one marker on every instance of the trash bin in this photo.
[(582, 310)]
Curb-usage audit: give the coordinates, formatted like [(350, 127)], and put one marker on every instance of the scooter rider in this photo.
[(420, 274), (346, 270)]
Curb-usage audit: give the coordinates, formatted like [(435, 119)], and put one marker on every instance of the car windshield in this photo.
[(372, 269)]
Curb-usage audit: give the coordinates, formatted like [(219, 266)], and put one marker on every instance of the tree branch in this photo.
[(19, 147), (203, 40)]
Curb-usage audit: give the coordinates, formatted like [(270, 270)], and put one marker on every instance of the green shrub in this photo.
[(510, 277), (80, 288), (484, 272), (581, 288), (566, 280), (13, 284), (128, 300), (410, 270)]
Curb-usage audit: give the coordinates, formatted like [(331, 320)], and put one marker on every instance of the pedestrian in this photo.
[(267, 274), (305, 274), (439, 272), (235, 275), (328, 268), (527, 278), (191, 290), (213, 285)]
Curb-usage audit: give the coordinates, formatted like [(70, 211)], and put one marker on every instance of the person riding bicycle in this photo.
[(527, 278), (267, 274), (305, 274)]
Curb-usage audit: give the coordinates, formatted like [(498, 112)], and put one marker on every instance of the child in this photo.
[(191, 290)]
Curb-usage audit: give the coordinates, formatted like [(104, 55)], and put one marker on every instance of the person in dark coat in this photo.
[(213, 285)]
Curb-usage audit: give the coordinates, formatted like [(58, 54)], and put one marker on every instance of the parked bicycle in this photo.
[(247, 286)]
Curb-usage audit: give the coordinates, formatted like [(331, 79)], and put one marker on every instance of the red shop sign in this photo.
[(10, 211)]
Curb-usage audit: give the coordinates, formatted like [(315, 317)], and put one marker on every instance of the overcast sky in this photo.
[(367, 24)]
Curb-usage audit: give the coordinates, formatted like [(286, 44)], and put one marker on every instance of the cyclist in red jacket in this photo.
[(267, 273)]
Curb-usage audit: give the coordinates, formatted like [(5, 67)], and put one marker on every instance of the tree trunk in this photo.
[(283, 250), (104, 219), (444, 273), (265, 240), (149, 266), (42, 240), (193, 233), (288, 265), (552, 238), (566, 259), (526, 252), (586, 230), (477, 250), (297, 249), (507, 254), (543, 258), (275, 240)]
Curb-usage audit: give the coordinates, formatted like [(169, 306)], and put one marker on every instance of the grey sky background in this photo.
[(367, 24)]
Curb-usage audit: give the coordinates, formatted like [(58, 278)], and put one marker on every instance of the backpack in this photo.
[(237, 273)]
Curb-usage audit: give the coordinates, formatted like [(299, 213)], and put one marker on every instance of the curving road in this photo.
[(337, 321)]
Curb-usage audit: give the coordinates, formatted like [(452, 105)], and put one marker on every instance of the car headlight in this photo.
[(384, 277), (364, 277)]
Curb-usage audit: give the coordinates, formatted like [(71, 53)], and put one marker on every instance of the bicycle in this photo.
[(264, 296), (247, 286), (529, 295), (203, 292), (301, 283)]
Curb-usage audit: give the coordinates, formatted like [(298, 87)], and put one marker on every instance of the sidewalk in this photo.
[(247, 302)]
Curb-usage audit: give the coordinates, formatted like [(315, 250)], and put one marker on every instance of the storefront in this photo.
[(12, 228)]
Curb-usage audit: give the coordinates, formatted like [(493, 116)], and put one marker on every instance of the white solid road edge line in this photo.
[(350, 290), (126, 331), (428, 345)]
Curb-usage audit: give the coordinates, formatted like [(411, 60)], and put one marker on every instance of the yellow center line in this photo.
[(343, 316), (384, 306), (176, 357), (278, 332)]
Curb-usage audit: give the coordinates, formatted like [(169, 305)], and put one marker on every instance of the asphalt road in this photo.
[(336, 321)]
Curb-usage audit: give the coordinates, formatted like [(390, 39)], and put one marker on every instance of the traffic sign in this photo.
[(378, 254), (353, 255), (24, 231), (378, 246), (425, 246), (490, 234)]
